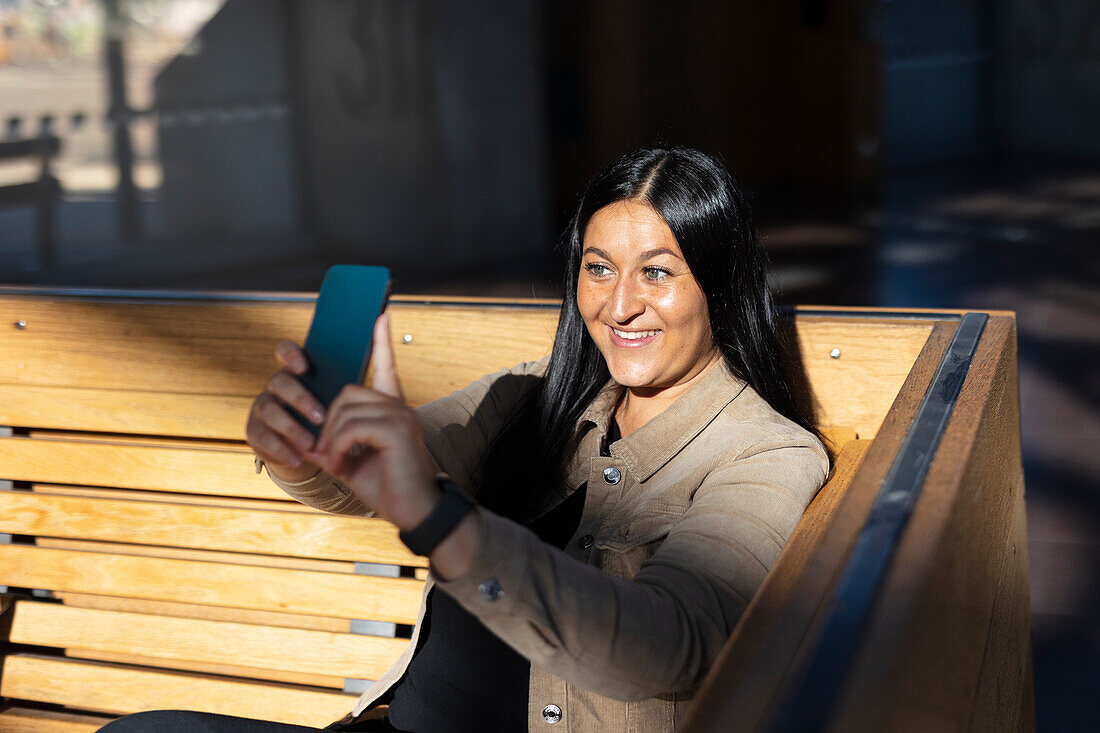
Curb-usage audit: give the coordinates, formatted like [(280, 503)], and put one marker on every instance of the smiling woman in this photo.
[(627, 495), (644, 309)]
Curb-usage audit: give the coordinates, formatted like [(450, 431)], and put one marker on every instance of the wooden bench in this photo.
[(148, 566)]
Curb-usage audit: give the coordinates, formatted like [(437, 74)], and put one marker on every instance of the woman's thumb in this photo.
[(385, 378)]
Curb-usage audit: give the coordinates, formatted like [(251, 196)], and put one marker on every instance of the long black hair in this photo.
[(710, 219)]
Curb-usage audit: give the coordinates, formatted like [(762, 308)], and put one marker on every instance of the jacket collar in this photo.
[(652, 445)]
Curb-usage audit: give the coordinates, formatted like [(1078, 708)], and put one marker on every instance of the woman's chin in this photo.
[(632, 379)]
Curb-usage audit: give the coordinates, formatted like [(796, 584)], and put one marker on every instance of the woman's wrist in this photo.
[(416, 507), (291, 474), (445, 528), (454, 556)]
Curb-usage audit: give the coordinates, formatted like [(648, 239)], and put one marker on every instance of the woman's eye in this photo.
[(655, 273), (595, 268)]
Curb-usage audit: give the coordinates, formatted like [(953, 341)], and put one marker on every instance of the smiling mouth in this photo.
[(632, 335), (623, 338)]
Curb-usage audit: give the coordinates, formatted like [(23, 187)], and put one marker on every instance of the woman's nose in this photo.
[(626, 300)]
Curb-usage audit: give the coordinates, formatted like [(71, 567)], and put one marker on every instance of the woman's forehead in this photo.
[(630, 228)]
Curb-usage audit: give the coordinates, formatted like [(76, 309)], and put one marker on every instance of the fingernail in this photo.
[(318, 416), (295, 461)]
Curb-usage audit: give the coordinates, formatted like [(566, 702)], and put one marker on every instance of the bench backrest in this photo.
[(191, 367)]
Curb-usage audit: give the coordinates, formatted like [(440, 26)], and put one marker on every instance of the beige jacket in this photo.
[(680, 525)]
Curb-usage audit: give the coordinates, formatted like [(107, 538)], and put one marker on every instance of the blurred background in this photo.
[(940, 153)]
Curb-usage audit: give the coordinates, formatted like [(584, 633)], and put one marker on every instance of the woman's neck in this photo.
[(639, 406)]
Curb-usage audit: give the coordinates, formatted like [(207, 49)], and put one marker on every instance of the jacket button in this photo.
[(587, 541), (490, 589), (551, 714), (611, 475)]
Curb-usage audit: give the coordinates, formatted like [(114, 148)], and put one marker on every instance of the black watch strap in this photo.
[(455, 504)]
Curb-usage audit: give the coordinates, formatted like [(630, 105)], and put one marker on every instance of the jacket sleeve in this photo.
[(457, 429), (660, 631)]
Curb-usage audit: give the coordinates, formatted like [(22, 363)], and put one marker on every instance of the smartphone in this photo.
[(340, 337)]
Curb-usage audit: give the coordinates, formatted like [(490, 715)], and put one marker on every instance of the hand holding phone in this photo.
[(339, 343), (369, 437), (287, 416)]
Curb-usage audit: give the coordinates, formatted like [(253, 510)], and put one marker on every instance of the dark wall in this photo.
[(404, 132), (225, 130), (423, 135), (785, 91), (1049, 81)]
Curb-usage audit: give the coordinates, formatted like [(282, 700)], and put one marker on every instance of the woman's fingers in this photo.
[(290, 391), (365, 436), (356, 402), (266, 440), (291, 357), (274, 415), (351, 397), (272, 430), (271, 449), (385, 365)]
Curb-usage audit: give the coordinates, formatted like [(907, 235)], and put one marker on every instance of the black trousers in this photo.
[(185, 721)]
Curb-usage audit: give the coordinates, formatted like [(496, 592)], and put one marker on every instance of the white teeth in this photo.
[(633, 335)]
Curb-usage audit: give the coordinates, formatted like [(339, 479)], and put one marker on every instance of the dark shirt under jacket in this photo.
[(462, 677)]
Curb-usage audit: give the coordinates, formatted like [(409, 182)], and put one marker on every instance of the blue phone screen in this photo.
[(339, 341)]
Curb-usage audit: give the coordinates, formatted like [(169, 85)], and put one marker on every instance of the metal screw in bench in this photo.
[(407, 338), (835, 353), (21, 325)]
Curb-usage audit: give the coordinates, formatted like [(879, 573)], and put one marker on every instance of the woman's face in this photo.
[(643, 307)]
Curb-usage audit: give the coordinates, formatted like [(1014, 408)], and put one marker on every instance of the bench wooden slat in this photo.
[(225, 670), (836, 438), (134, 411), (207, 352), (120, 690), (215, 556), (858, 388), (174, 498), (219, 584), (215, 642), (145, 440), (222, 473), (821, 509), (194, 610), (212, 528), (26, 720)]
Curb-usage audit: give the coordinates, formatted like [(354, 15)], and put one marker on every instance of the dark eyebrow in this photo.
[(647, 255), (651, 253)]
